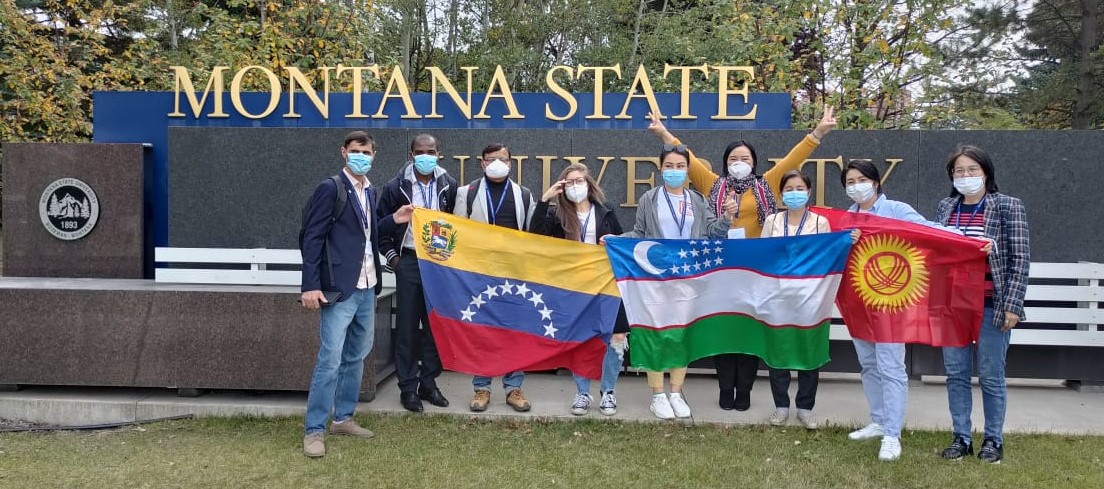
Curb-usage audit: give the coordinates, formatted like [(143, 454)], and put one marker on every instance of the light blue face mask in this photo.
[(359, 163), (425, 164), (795, 199), (674, 178)]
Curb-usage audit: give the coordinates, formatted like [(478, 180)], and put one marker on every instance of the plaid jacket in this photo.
[(1006, 225)]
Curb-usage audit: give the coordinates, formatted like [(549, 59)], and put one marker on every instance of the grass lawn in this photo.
[(455, 452)]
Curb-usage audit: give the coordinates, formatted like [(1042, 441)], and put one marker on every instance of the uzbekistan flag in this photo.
[(909, 283), (769, 297), (502, 300)]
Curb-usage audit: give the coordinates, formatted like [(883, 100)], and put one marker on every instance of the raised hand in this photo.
[(827, 123), (730, 205), (554, 190), (656, 127)]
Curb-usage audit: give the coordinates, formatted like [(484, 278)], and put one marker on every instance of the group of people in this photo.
[(340, 267)]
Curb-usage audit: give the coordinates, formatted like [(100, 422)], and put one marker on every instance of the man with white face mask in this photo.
[(495, 199)]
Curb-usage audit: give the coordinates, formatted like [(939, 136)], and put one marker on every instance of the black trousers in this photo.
[(413, 339), (807, 381), (736, 371)]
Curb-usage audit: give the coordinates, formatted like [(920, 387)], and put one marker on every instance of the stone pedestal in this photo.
[(73, 210)]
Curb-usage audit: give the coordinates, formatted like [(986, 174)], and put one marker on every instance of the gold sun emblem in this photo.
[(888, 273)]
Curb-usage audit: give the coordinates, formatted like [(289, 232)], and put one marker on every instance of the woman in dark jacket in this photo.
[(580, 214)]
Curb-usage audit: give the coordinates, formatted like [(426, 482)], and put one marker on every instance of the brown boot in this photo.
[(350, 427), (516, 399), (313, 446), (480, 401)]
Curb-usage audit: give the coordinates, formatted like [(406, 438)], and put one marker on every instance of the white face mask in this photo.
[(739, 170), (969, 185), (860, 192), (497, 169), (576, 193)]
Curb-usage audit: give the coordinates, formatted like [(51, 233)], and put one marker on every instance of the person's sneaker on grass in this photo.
[(870, 431), (991, 452), (779, 416), (351, 428), (661, 406), (313, 446), (958, 448), (807, 418), (608, 406), (581, 404), (890, 450)]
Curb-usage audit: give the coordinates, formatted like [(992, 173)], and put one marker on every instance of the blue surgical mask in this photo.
[(359, 163), (674, 178), (795, 199), (425, 164)]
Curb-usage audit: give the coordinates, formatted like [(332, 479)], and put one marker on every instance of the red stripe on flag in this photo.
[(491, 351)]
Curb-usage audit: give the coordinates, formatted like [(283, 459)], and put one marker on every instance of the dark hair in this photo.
[(732, 147), (680, 150), (359, 137), (425, 138), (794, 174), (493, 147), (867, 169), (984, 161)]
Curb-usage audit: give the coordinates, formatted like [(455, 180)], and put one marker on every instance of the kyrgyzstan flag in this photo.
[(909, 283)]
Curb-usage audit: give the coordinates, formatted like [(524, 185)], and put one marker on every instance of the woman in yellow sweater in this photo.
[(739, 179)]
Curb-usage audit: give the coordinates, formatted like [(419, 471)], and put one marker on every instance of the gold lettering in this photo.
[(397, 81), (499, 80), (631, 181), (602, 172), (273, 92), (572, 104), (461, 160), (358, 86), (182, 81), (323, 105), (518, 160), (684, 92), (820, 177), (723, 91), (599, 86), (437, 76), (546, 171), (641, 80), (892, 162)]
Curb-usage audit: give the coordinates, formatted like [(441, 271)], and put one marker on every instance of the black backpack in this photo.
[(339, 205), (526, 196)]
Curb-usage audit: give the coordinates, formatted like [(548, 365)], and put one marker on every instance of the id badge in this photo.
[(736, 233)]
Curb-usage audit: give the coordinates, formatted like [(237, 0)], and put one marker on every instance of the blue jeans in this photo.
[(345, 333), (510, 382), (611, 366), (991, 348), (884, 382)]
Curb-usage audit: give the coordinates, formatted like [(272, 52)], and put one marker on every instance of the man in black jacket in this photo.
[(421, 183)]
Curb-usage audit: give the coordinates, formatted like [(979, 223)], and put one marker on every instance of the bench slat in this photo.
[(247, 277), (1067, 270), (227, 255), (1064, 293)]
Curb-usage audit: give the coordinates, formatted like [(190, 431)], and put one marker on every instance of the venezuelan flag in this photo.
[(502, 300)]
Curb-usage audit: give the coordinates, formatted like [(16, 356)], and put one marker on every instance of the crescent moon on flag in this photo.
[(640, 254)]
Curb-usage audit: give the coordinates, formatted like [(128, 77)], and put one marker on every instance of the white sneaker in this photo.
[(581, 404), (807, 418), (779, 416), (608, 406), (872, 430), (661, 407), (678, 404), (891, 449)]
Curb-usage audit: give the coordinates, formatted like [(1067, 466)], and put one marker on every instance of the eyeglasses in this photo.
[(577, 181), (972, 171), (674, 147)]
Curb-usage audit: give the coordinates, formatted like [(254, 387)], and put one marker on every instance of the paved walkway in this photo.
[(1034, 406)]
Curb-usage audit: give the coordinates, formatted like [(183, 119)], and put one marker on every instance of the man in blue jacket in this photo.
[(341, 277)]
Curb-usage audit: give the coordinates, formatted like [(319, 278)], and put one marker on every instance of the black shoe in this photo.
[(990, 452), (742, 400), (411, 402), (726, 400), (959, 448), (434, 396)]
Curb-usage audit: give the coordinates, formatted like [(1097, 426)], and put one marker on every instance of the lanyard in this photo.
[(492, 209), (958, 214), (360, 210), (582, 230), (678, 222), (427, 192), (799, 226)]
